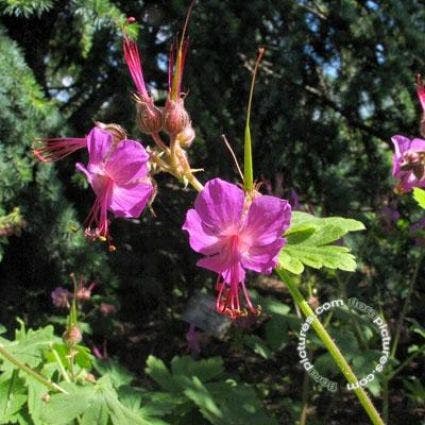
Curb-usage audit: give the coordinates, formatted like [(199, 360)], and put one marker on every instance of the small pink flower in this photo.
[(193, 340), (107, 309), (100, 353), (118, 174), (409, 163), (61, 297), (235, 234)]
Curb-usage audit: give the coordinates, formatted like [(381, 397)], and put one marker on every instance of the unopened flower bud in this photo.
[(149, 117), (83, 293), (313, 301), (72, 335), (89, 377), (116, 131), (186, 137), (175, 117)]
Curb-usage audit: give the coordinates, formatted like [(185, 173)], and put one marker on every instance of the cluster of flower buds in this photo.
[(62, 298), (172, 119), (12, 224), (409, 156)]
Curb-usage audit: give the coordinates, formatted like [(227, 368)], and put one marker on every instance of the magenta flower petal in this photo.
[(99, 143), (129, 201), (417, 145), (220, 205), (408, 162), (263, 258), (199, 240), (127, 163), (268, 217)]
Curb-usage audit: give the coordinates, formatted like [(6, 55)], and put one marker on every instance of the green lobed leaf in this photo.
[(63, 408), (29, 346), (205, 370), (419, 195), (12, 396), (309, 243), (157, 370)]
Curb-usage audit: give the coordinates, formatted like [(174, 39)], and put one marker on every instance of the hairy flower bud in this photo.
[(84, 293), (175, 117), (72, 335), (149, 117), (186, 137), (115, 130)]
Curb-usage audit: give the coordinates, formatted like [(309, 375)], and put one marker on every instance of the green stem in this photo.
[(388, 377), (248, 173), (304, 411), (61, 366), (22, 366), (404, 364), (331, 347), (385, 399), (406, 306)]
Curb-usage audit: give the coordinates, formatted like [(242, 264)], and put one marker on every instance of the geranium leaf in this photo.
[(311, 242)]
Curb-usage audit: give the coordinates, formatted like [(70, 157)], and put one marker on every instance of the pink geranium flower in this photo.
[(236, 234), (409, 163), (118, 174)]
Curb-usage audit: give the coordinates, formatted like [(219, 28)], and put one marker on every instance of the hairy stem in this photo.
[(331, 347), (22, 366)]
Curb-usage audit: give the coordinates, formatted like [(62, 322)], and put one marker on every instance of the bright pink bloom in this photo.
[(235, 234), (409, 162), (118, 174), (51, 150)]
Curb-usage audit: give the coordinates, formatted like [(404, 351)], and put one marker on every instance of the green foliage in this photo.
[(93, 404), (22, 395), (419, 195), (201, 385), (96, 14), (26, 8), (310, 243)]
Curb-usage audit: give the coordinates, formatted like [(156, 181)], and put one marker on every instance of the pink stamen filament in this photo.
[(98, 215), (55, 149), (132, 58)]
